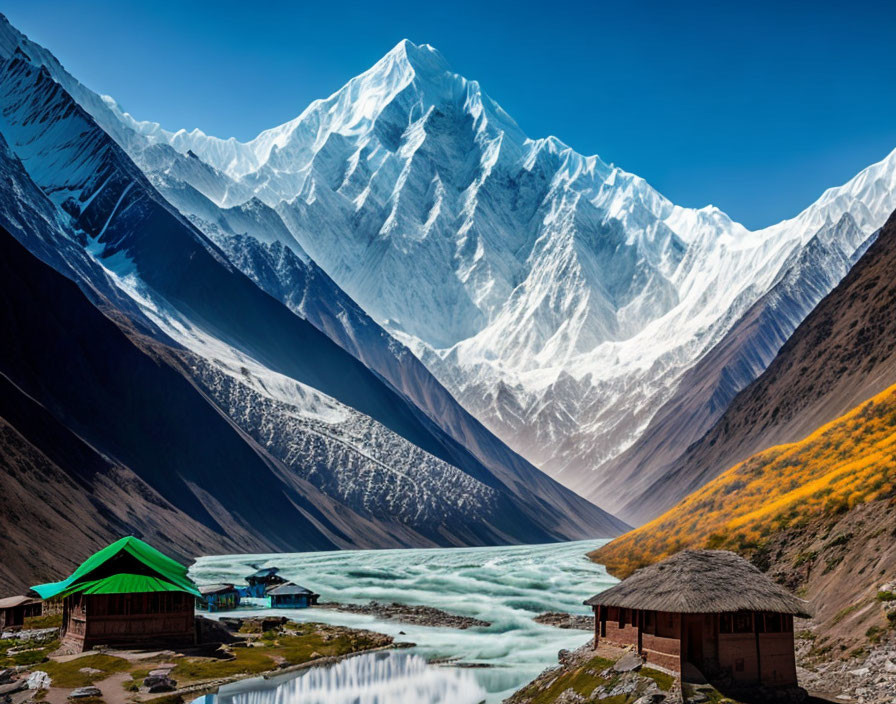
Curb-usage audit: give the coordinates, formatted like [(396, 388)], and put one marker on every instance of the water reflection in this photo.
[(374, 678)]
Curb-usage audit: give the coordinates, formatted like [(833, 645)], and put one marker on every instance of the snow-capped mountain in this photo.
[(562, 300), (330, 443), (559, 298)]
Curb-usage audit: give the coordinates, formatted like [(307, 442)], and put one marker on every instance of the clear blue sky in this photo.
[(754, 107)]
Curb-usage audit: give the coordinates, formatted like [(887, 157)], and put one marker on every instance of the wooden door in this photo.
[(695, 639)]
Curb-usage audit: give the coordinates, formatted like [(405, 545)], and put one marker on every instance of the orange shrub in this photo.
[(849, 461)]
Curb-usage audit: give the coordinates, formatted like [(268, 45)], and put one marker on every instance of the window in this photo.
[(773, 623), (740, 622), (743, 622)]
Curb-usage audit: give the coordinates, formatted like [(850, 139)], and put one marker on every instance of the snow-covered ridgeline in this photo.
[(559, 298)]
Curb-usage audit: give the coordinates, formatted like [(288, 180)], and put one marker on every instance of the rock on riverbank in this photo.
[(560, 619), (414, 615)]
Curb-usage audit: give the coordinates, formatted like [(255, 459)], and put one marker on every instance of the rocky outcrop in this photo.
[(415, 615)]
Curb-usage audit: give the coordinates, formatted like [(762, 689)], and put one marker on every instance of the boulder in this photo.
[(38, 680), (83, 692), (155, 685), (12, 687), (272, 623), (6, 675), (630, 662)]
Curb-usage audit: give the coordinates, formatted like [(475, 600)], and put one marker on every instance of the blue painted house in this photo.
[(292, 596), (263, 580), (218, 597)]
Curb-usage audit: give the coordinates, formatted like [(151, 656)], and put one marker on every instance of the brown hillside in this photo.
[(821, 513)]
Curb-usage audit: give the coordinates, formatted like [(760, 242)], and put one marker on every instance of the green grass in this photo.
[(843, 613), (874, 634), (32, 656), (44, 621), (581, 680), (167, 699), (68, 675), (247, 661), (305, 644), (886, 596), (663, 680)]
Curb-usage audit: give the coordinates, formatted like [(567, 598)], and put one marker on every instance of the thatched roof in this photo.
[(699, 582), (209, 589)]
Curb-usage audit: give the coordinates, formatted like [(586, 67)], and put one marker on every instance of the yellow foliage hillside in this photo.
[(849, 461)]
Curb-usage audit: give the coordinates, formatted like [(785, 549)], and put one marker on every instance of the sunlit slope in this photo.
[(849, 461)]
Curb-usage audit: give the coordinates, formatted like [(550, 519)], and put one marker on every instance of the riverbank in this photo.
[(233, 650), (506, 586), (414, 615)]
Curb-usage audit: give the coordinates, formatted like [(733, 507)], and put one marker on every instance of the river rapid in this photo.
[(505, 586)]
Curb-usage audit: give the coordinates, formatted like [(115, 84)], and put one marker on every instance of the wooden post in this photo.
[(640, 632), (682, 654), (597, 610), (756, 617)]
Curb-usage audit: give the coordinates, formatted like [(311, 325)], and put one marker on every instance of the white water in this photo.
[(506, 586), (373, 678)]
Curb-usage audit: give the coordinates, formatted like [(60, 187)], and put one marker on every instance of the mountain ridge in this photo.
[(432, 170), (238, 345)]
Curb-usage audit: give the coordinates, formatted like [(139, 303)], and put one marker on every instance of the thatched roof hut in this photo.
[(702, 582), (704, 614)]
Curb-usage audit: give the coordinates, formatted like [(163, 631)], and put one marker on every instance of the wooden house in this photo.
[(292, 596), (218, 597), (126, 595), (15, 609), (706, 610), (263, 580)]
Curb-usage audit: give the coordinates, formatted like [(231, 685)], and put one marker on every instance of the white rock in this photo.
[(38, 680)]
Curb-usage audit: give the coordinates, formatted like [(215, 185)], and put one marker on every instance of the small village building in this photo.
[(15, 609), (127, 595), (709, 611), (263, 580), (218, 597), (292, 596)]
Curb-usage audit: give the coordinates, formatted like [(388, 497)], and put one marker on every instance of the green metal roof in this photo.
[(169, 575)]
